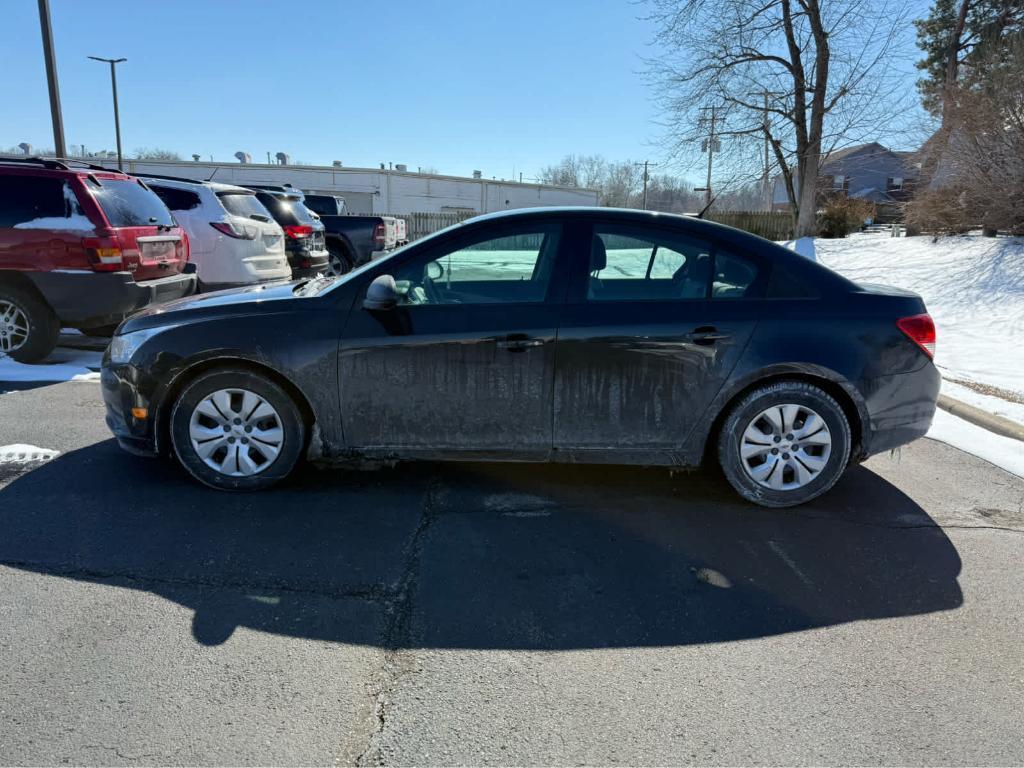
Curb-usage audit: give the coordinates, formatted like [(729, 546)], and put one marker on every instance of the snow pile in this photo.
[(19, 453), (973, 287), (1005, 452), (62, 365)]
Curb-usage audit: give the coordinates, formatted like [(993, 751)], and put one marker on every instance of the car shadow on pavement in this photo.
[(481, 556)]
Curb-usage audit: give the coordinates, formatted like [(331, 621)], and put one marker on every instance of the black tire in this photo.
[(43, 326), (783, 393), (289, 417), (341, 261)]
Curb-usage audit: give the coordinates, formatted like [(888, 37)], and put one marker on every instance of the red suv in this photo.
[(82, 247)]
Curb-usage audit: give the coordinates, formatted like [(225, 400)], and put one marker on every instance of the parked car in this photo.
[(563, 334), (233, 238), (354, 240), (304, 233), (82, 247)]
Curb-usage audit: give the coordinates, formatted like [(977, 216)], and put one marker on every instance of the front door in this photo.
[(649, 333), (464, 365)]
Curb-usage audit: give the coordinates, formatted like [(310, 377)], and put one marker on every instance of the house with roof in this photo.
[(868, 172)]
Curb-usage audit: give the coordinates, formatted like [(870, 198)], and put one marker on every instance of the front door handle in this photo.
[(706, 335), (518, 342)]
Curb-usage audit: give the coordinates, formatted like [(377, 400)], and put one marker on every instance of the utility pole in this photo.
[(766, 186), (711, 147), (117, 116), (51, 78), (647, 177)]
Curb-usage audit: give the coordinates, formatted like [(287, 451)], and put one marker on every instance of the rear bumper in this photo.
[(900, 408), (308, 263), (91, 299)]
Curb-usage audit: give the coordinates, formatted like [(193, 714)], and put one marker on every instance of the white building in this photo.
[(369, 190)]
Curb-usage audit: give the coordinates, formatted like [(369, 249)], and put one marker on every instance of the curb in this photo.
[(991, 422)]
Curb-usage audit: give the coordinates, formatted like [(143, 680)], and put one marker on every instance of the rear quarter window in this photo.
[(40, 202), (177, 199), (126, 203)]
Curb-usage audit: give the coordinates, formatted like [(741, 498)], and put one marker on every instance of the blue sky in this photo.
[(456, 85), (506, 87)]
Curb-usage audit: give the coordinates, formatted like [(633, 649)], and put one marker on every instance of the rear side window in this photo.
[(241, 204), (322, 204), (635, 264), (785, 284), (40, 202), (126, 203), (177, 199), (734, 276)]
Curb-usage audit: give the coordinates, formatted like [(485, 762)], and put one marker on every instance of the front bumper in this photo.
[(92, 299), (118, 385), (900, 408)]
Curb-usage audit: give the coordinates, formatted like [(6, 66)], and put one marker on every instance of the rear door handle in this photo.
[(706, 336), (517, 342)]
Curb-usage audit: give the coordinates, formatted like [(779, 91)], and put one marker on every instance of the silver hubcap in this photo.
[(785, 447), (13, 326), (336, 265), (236, 432)]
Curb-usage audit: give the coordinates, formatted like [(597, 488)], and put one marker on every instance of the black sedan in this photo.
[(560, 335)]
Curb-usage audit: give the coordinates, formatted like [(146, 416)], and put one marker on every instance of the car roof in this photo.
[(62, 168), (216, 186)]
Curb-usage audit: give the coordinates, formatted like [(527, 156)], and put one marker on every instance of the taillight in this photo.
[(379, 234), (298, 231), (104, 255), (921, 330), (229, 229)]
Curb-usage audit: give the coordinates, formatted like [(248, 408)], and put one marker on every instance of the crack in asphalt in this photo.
[(398, 663)]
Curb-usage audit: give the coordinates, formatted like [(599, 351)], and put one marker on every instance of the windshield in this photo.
[(126, 203)]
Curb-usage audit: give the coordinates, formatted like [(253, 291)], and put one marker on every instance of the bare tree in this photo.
[(155, 153), (807, 75)]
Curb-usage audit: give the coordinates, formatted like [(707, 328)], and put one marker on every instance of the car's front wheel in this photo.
[(235, 429), (784, 444)]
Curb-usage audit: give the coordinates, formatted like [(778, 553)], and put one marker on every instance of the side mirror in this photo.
[(434, 270), (382, 293)]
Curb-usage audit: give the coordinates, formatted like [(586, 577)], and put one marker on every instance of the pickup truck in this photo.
[(354, 240)]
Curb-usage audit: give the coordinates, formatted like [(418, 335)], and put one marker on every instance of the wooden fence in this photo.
[(771, 225)]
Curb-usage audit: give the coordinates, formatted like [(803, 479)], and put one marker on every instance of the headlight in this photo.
[(123, 347)]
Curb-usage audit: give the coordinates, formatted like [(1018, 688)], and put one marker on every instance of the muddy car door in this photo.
[(644, 344), (462, 363)]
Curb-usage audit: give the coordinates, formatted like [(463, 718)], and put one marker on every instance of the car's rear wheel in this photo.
[(235, 429), (28, 327), (784, 444), (340, 260)]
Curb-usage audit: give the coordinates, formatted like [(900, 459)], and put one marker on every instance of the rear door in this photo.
[(464, 365), (644, 344)]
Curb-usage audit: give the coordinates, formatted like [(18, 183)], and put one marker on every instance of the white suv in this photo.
[(234, 239)]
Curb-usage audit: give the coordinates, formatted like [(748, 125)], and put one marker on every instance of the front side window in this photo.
[(126, 203), (513, 268), (630, 264)]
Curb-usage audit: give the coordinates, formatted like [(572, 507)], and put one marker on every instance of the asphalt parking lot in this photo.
[(487, 614)]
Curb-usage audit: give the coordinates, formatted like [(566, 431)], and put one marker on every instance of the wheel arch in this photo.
[(830, 382), (162, 423), (16, 279)]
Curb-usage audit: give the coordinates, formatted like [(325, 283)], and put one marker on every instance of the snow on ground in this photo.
[(1004, 452), (973, 287), (62, 365)]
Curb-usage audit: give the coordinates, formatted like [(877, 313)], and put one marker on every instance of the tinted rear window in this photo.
[(241, 204), (127, 203), (286, 211), (322, 204)]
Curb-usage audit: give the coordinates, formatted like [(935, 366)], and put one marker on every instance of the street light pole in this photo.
[(117, 116), (51, 78)]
